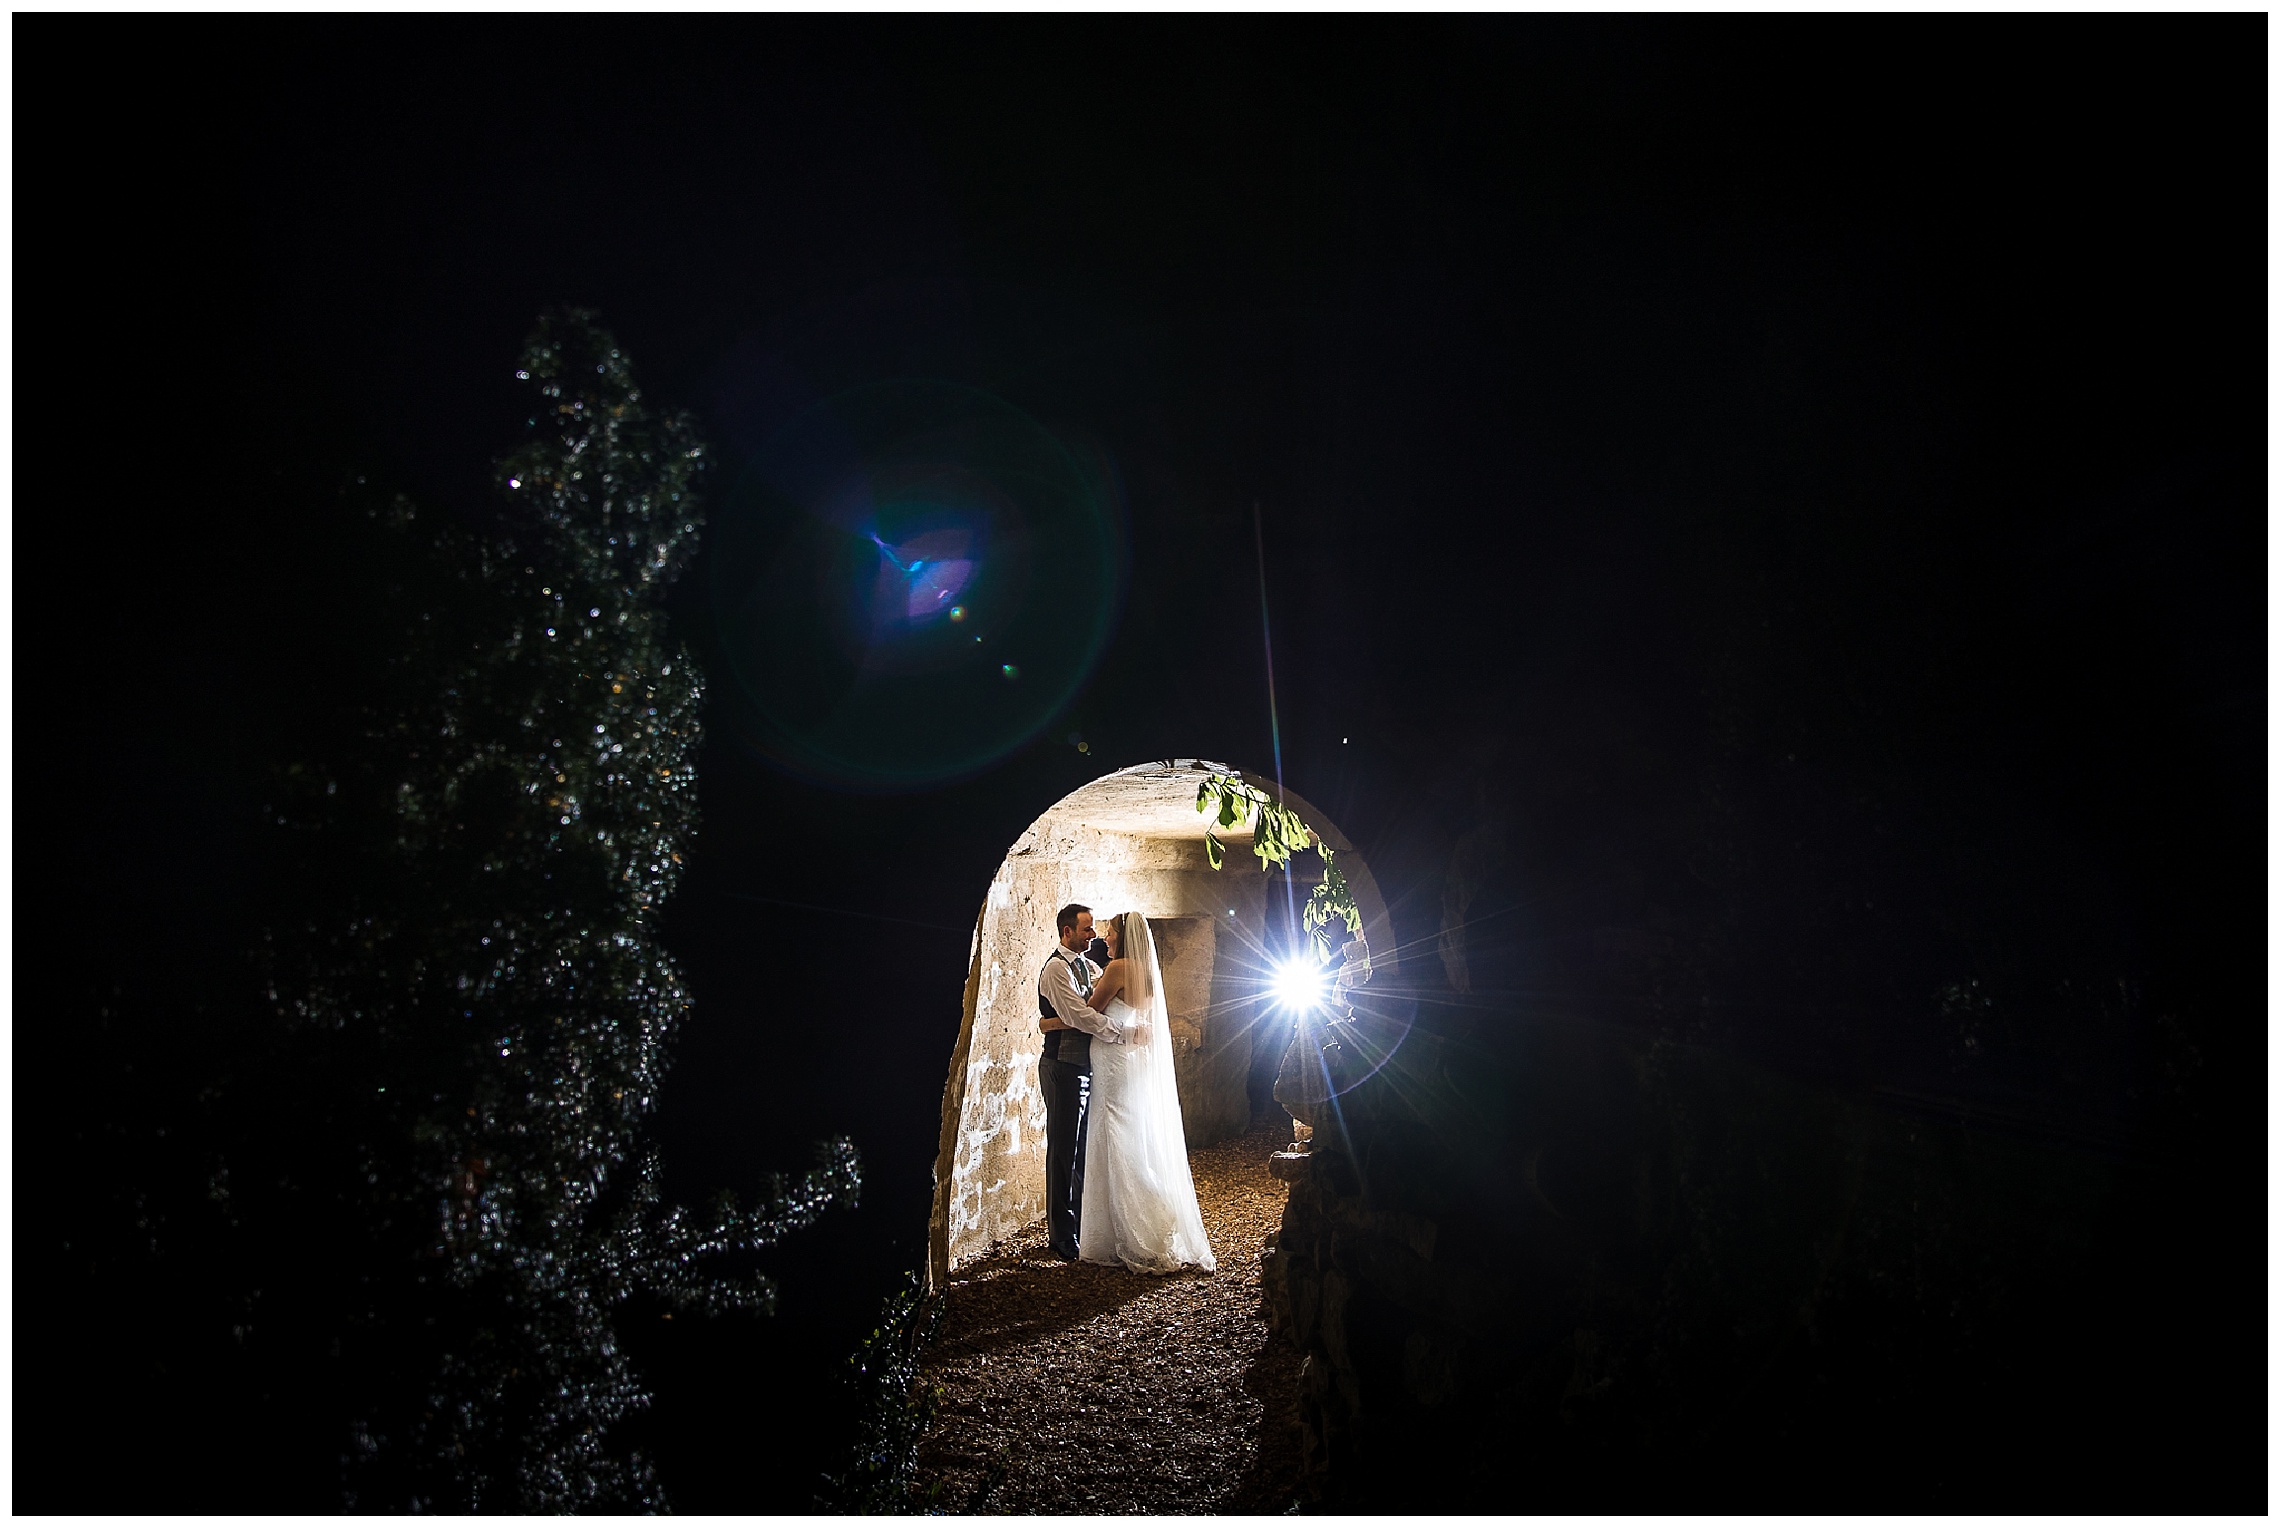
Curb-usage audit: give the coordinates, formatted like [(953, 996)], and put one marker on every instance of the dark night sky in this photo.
[(1903, 377)]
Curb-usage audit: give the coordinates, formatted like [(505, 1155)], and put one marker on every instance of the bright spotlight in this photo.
[(1301, 985)]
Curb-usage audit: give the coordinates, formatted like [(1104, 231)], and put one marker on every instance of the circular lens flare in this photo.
[(873, 542)]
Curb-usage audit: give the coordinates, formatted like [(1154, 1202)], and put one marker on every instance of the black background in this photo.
[(1900, 378)]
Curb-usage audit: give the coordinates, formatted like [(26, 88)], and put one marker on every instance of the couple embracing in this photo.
[(1117, 1188)]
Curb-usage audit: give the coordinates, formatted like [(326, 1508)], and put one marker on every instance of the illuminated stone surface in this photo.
[(1130, 840)]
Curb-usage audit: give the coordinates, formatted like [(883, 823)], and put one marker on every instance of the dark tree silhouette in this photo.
[(426, 1170)]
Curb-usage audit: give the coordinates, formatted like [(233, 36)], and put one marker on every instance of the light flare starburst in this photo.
[(1301, 985)]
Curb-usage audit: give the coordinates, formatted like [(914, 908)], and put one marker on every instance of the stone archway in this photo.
[(1131, 839)]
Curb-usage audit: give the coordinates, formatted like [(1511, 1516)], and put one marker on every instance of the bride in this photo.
[(1139, 1204)]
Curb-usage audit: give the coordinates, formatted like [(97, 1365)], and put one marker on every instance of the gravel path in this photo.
[(1073, 1388)]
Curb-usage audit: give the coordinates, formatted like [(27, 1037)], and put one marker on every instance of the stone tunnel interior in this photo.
[(1131, 840)]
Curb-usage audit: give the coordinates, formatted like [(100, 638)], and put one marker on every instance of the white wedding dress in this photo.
[(1139, 1207)]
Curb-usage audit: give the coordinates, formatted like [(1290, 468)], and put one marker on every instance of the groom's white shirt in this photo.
[(1057, 984)]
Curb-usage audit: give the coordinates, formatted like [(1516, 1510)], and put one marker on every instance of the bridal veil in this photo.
[(1149, 1219)]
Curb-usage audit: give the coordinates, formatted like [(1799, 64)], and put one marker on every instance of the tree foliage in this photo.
[(439, 1153), (879, 1477)]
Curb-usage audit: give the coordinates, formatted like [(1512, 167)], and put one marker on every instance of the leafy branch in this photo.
[(898, 1405), (1277, 833)]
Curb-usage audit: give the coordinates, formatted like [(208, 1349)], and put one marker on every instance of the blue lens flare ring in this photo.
[(909, 582)]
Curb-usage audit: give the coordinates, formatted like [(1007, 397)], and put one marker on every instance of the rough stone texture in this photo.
[(1644, 1262), (1213, 1018), (1100, 1390), (1132, 839)]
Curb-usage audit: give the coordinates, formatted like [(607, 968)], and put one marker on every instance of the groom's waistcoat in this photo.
[(1070, 1045)]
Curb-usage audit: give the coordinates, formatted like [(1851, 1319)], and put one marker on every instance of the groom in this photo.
[(1064, 1071)]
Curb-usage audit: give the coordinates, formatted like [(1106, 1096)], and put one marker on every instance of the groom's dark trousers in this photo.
[(1067, 1086)]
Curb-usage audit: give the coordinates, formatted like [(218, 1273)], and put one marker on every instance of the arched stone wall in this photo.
[(1132, 839)]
